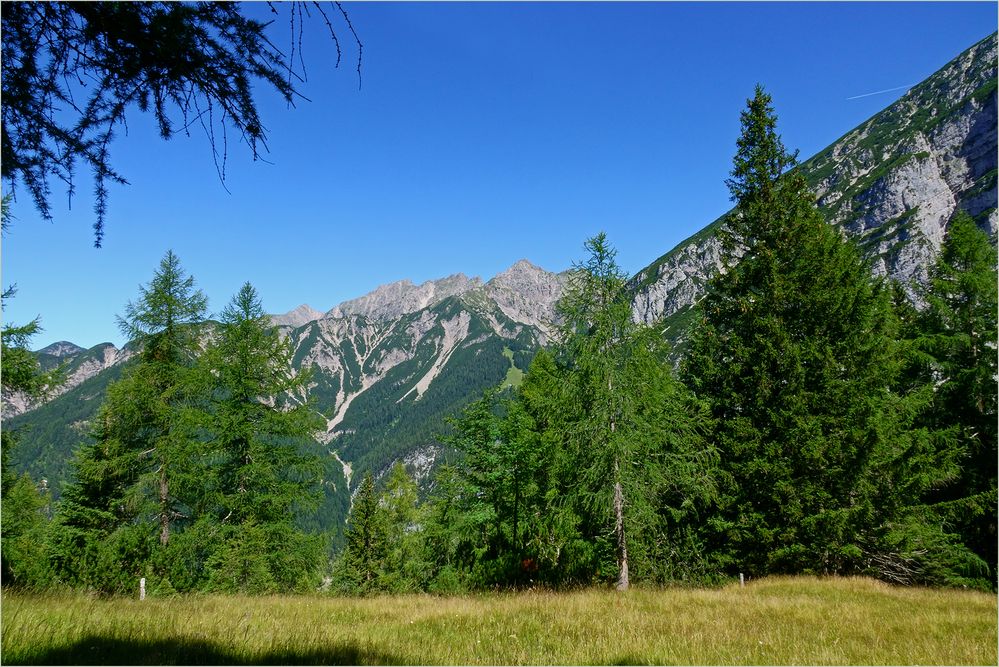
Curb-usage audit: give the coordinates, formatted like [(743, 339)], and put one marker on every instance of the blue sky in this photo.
[(483, 133)]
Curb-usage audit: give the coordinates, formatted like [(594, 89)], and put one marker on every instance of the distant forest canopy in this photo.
[(818, 423)]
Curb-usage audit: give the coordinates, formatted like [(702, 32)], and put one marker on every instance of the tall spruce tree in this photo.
[(363, 558), (796, 356), (264, 463)]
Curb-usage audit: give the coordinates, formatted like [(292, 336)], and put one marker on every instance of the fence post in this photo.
[(742, 581), (142, 588)]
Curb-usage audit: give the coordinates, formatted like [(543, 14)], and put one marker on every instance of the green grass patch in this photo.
[(514, 376), (985, 91), (800, 620)]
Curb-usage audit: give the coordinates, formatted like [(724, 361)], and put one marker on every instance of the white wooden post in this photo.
[(742, 581), (142, 588)]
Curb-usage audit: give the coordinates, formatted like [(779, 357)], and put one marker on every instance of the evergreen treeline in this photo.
[(819, 423), (200, 463)]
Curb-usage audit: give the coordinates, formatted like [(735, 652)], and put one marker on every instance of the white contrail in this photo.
[(877, 92)]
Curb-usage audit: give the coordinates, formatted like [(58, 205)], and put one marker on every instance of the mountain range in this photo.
[(390, 366)]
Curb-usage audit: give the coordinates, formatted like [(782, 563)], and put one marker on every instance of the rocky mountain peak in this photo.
[(61, 349), (527, 293), (521, 271), (298, 317)]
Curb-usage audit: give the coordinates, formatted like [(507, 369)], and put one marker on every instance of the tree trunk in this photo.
[(622, 544), (164, 507), (516, 507)]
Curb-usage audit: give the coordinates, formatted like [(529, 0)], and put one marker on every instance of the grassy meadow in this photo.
[(798, 620)]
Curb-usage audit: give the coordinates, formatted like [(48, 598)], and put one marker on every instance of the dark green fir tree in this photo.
[(797, 356), (363, 559)]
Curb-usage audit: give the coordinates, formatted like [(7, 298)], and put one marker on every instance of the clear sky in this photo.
[(483, 133)]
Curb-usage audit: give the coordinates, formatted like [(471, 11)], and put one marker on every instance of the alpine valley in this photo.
[(390, 366)]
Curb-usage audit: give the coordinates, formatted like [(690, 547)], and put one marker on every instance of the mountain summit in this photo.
[(525, 293), (61, 349), (297, 317)]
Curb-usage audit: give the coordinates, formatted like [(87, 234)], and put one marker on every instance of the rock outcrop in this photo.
[(527, 293), (79, 366)]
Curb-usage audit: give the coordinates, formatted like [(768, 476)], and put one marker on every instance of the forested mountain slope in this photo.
[(387, 368)]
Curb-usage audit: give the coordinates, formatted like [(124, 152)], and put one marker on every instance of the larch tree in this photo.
[(73, 70), (596, 326), (637, 431), (957, 334), (125, 481), (163, 322), (265, 464)]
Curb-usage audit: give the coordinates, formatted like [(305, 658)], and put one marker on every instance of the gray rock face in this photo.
[(676, 283), (16, 403), (527, 293), (892, 184), (895, 182), (103, 357)]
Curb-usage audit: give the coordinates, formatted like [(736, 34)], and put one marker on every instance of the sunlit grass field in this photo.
[(770, 621)]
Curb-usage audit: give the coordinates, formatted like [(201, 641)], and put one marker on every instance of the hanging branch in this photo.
[(71, 71)]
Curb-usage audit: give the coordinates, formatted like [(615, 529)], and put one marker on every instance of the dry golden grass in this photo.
[(772, 621)]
